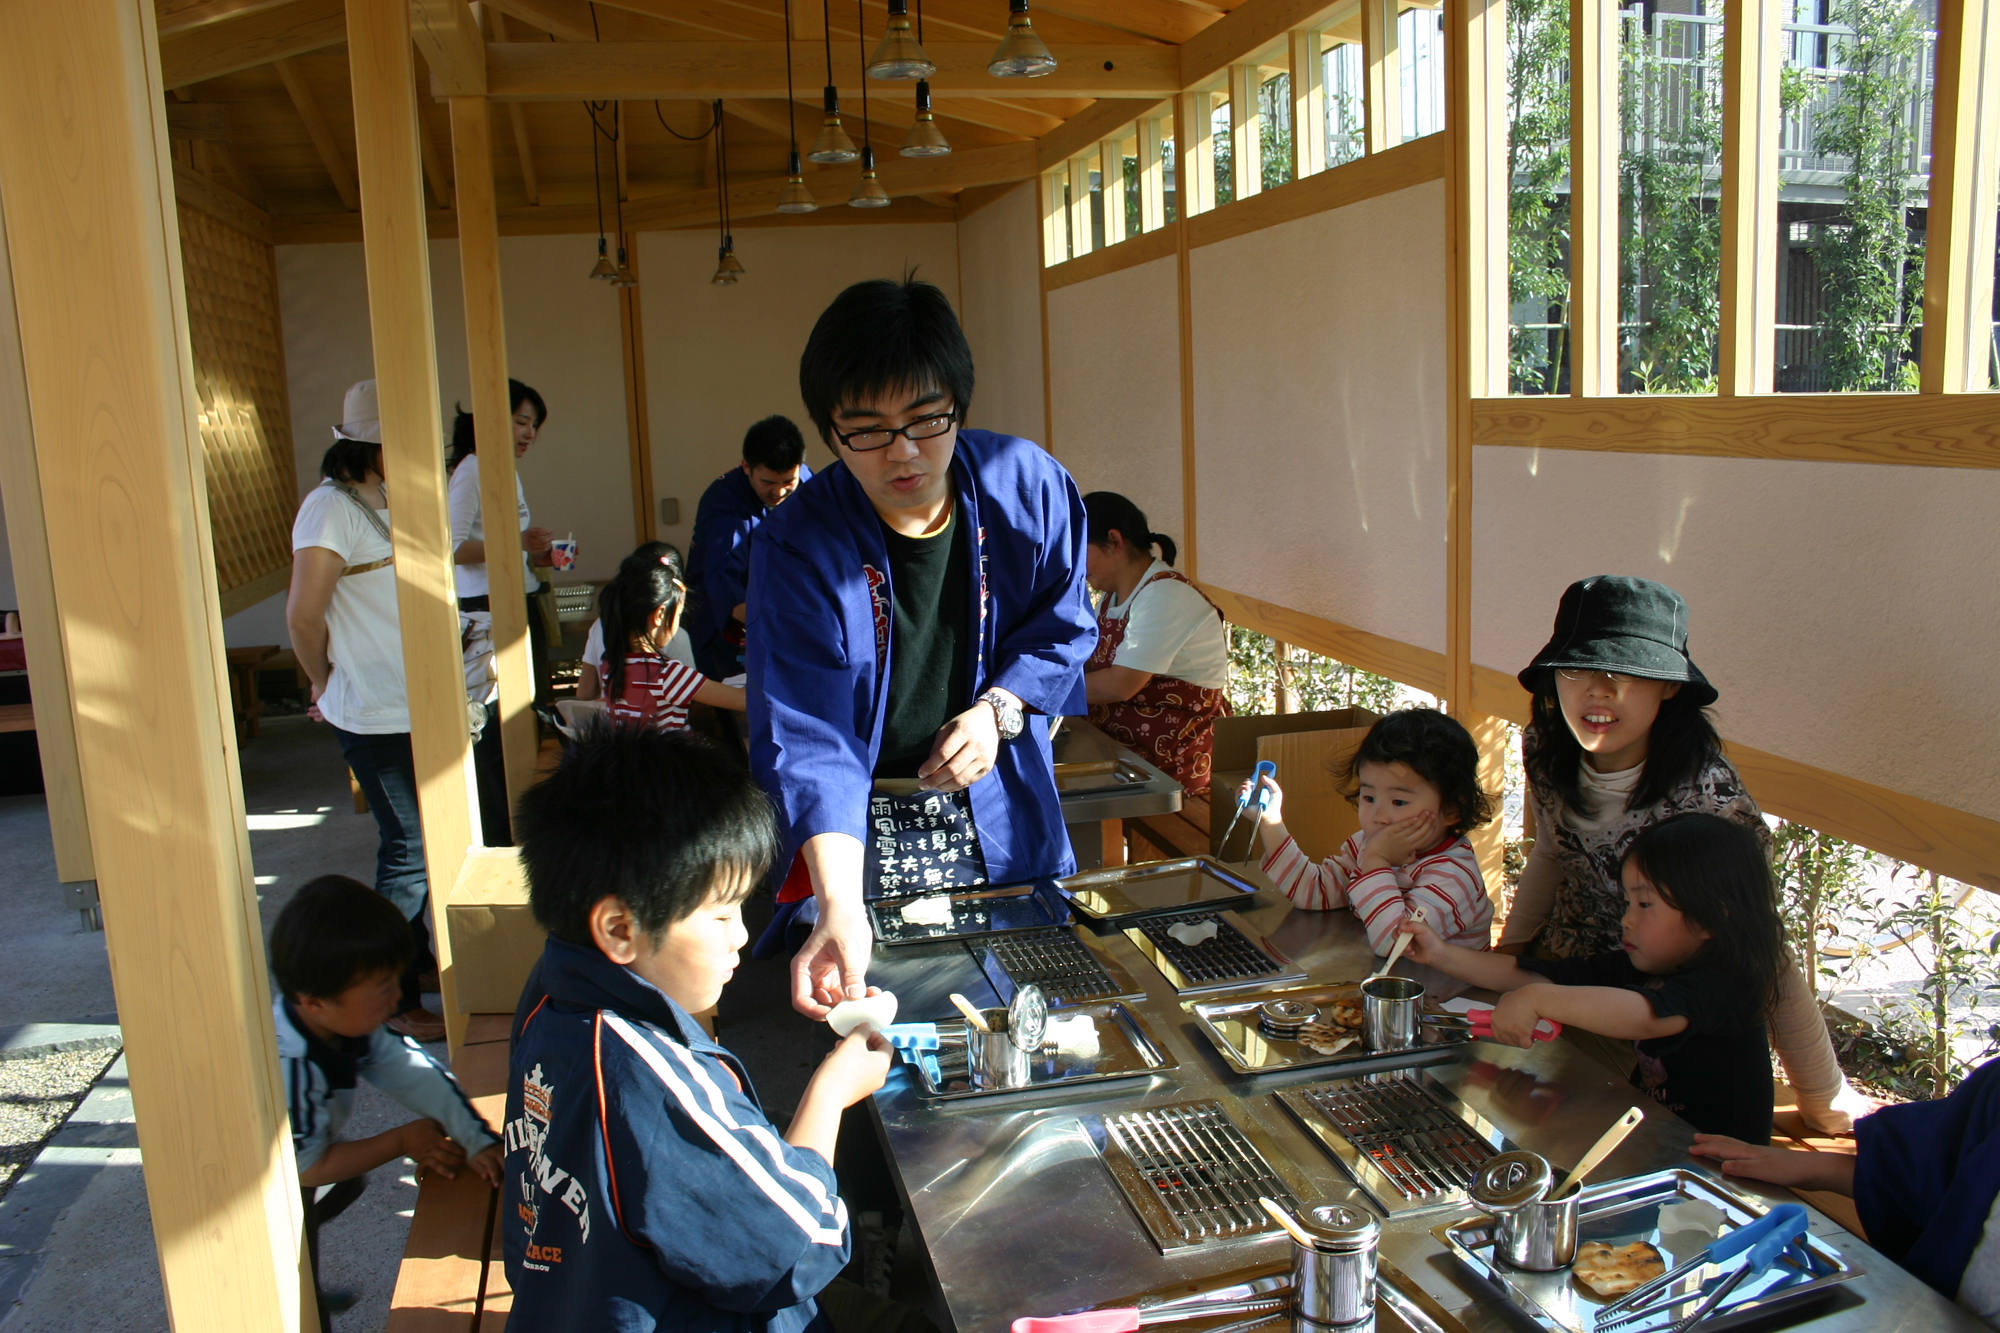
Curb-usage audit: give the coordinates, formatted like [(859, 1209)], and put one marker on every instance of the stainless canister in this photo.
[(1004, 1056), (1531, 1231), (1390, 1013), (1333, 1279)]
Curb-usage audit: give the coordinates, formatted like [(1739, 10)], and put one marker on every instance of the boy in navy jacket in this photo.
[(644, 1186)]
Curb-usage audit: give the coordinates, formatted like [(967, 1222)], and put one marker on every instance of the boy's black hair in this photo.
[(644, 583), (774, 444), (654, 819), (334, 932), (350, 460), (1680, 745), (881, 336), (1714, 872), (1440, 751), (462, 441), (1107, 512)]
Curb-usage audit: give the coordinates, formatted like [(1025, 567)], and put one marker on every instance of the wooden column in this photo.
[(1055, 218), (1111, 174), (1152, 176), (394, 244), (1194, 153), (1081, 241), (1190, 110), (1965, 179), (1246, 130), (88, 198), (1308, 103), (1593, 197), (486, 358), (1382, 81), (1748, 337), (638, 419)]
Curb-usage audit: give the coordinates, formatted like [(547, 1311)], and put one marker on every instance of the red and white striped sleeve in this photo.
[(1445, 883), (676, 683), (1317, 888)]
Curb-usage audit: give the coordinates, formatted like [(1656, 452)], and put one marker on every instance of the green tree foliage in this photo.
[(1538, 166), (1319, 682), (1960, 975), (1823, 890), (1274, 106)]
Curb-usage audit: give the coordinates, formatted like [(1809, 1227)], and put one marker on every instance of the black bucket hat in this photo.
[(1635, 627)]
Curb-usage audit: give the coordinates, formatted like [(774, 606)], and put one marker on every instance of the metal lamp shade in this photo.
[(1021, 53)]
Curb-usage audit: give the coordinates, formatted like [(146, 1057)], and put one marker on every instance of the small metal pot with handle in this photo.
[(1004, 1056), (1391, 1013), (1333, 1279), (1530, 1231)]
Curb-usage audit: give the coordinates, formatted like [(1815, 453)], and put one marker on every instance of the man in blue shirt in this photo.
[(718, 561), (917, 615)]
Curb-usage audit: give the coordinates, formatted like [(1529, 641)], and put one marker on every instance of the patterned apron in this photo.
[(1170, 722), (920, 842)]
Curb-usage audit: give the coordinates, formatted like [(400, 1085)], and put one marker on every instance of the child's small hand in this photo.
[(487, 1164), (1274, 813), (1424, 945), (425, 1143), (1395, 844), (1778, 1166), (1515, 1017), (858, 1066)]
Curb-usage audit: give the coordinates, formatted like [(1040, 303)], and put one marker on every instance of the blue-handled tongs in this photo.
[(1260, 795)]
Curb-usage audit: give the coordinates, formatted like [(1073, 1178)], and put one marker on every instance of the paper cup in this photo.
[(562, 553)]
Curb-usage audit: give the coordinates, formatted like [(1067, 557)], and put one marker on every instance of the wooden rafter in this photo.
[(331, 155), (179, 15), (449, 38), (567, 19), (517, 116), (254, 38)]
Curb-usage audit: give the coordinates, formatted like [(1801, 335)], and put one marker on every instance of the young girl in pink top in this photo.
[(1415, 780)]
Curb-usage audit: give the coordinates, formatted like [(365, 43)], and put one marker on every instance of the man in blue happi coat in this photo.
[(917, 614), (718, 559)]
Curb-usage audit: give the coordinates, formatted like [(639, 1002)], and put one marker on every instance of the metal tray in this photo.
[(1400, 1304), (1159, 886), (1418, 1144), (1076, 970), (1621, 1211), (974, 912), (1231, 1025), (1235, 939), (1094, 775), (1126, 1050)]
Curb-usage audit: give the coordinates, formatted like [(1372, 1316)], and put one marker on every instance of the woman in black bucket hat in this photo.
[(1620, 741)]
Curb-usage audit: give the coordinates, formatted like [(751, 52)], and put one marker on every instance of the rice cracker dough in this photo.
[(1614, 1270)]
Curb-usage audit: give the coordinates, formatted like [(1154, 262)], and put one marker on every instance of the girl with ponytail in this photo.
[(643, 687), (1156, 681)]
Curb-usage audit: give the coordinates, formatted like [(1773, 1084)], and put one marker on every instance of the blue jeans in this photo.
[(387, 772)]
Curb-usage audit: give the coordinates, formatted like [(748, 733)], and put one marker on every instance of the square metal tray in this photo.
[(1126, 1049), (1284, 970), (974, 912), (1094, 775), (1621, 1211), (1160, 886), (1231, 1025)]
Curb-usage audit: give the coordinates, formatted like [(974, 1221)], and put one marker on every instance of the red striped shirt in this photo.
[(656, 694), (1444, 881)]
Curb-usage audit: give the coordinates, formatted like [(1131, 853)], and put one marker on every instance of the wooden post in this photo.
[(1747, 341), (1246, 130), (1081, 241), (1281, 663), (1308, 103), (638, 432), (1382, 82), (1194, 153), (1055, 218), (1185, 108), (1965, 176), (1111, 178), (1152, 176), (394, 243), (1593, 197), (101, 313), (486, 357)]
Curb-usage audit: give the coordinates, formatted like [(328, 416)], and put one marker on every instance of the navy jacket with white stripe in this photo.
[(645, 1188)]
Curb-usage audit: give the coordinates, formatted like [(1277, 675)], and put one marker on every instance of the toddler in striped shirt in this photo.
[(1415, 780)]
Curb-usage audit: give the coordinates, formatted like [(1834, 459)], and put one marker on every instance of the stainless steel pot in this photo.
[(1004, 1056), (1390, 1013), (1333, 1279), (1531, 1230)]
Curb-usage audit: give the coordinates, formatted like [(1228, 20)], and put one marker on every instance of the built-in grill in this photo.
[(1406, 1141), (1234, 957), (1190, 1174), (1057, 961)]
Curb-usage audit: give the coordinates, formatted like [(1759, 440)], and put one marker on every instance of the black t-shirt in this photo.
[(1716, 1075), (931, 579)]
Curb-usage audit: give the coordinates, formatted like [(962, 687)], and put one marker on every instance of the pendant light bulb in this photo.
[(925, 139), (727, 267), (832, 147), (795, 197), (899, 55), (1021, 54), (869, 193), (623, 276), (603, 268)]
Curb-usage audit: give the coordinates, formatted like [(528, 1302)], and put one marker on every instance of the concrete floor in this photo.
[(97, 1252)]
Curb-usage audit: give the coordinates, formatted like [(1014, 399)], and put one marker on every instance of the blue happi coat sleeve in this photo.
[(1047, 629), (1925, 1177)]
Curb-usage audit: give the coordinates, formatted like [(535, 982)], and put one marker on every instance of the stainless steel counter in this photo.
[(1085, 812), (1019, 1214)]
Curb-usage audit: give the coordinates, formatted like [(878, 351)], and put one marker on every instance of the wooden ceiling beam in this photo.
[(255, 38), (524, 150), (449, 39), (1081, 131), (730, 21), (198, 120), (567, 19), (638, 71), (180, 15), (331, 154), (1161, 20), (1248, 29)]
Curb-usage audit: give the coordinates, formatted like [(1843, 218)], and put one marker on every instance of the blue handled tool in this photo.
[(1257, 792), (1775, 1229)]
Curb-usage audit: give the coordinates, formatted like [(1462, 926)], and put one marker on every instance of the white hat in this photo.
[(360, 415)]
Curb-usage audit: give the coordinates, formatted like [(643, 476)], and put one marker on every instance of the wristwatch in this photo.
[(1007, 714)]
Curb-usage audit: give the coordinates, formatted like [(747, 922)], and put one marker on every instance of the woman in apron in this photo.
[(1156, 681)]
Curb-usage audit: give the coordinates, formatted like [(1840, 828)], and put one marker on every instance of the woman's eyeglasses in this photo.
[(1615, 677), (881, 437)]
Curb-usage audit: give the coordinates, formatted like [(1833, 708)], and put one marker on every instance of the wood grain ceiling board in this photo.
[(180, 15), (253, 39)]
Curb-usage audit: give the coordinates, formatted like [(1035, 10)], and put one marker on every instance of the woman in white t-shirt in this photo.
[(347, 636), (468, 535), (1155, 682)]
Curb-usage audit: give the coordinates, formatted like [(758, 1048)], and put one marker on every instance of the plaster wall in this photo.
[(1114, 380), (1841, 609), (1319, 414), (1000, 277)]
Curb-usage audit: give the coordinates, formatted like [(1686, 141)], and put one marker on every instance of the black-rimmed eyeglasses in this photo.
[(881, 437)]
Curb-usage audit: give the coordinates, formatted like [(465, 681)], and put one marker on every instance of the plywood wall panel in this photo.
[(999, 275), (1114, 381), (1319, 362), (1842, 610)]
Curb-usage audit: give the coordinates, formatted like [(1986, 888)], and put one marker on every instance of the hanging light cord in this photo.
[(596, 175), (826, 23), (791, 117), (721, 172), (861, 43), (691, 138)]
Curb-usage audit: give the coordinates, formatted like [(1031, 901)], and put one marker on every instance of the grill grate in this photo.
[(1056, 960), (1227, 957), (1420, 1147), (1190, 1173)]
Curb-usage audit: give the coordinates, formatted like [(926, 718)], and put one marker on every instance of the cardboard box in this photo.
[(494, 939), (1237, 741)]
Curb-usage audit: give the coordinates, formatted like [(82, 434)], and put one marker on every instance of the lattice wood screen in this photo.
[(239, 377)]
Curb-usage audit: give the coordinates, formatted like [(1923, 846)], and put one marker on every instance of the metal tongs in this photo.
[(1260, 1297), (1770, 1235), (1259, 793)]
